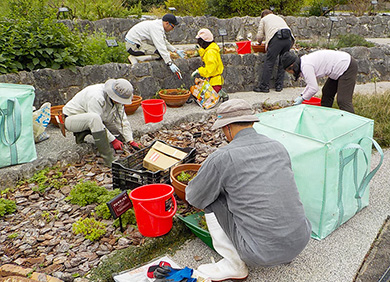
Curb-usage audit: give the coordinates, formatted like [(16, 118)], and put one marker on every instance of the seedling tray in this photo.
[(129, 173), (192, 222)]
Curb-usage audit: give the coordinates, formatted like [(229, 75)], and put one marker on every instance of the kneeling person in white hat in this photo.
[(247, 190), (98, 110)]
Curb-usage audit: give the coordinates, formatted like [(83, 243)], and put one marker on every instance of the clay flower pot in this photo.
[(259, 48), (174, 98), (180, 186), (55, 111), (130, 109)]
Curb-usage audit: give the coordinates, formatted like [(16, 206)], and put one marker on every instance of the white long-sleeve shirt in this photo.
[(319, 64), (93, 99), (151, 32)]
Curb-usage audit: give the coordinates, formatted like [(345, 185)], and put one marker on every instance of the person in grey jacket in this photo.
[(98, 110), (247, 189)]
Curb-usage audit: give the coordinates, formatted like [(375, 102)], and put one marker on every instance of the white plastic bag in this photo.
[(41, 119)]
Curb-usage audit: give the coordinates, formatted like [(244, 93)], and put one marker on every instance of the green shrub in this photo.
[(323, 7), (35, 44), (86, 193), (188, 7), (97, 52), (351, 40), (6, 206), (102, 209), (90, 228)]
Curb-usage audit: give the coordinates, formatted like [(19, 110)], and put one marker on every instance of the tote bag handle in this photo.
[(360, 188), (11, 127)]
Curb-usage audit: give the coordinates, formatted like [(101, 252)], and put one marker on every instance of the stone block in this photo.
[(14, 270), (16, 279), (36, 276)]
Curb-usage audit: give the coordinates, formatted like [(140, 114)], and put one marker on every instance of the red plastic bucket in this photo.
[(244, 47), (313, 101), (154, 207), (154, 110)]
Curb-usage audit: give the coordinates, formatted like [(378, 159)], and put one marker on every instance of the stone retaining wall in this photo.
[(241, 74), (246, 27)]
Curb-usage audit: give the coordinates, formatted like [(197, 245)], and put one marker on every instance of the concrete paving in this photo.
[(336, 258)]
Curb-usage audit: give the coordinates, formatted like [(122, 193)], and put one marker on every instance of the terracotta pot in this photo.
[(259, 48), (179, 186), (174, 98), (55, 111), (130, 109)]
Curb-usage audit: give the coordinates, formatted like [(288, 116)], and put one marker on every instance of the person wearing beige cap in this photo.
[(98, 110), (211, 57), (251, 202)]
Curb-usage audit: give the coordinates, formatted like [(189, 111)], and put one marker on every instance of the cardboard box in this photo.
[(162, 157)]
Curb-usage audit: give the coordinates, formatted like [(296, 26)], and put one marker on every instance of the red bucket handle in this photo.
[(162, 216), (156, 116)]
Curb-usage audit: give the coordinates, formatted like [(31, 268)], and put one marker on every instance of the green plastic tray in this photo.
[(192, 222)]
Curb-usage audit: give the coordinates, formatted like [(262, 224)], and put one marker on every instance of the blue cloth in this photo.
[(180, 274)]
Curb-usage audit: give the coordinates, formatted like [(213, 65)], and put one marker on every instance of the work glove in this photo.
[(180, 53), (174, 68), (169, 274), (194, 73), (135, 145), (298, 100), (118, 145)]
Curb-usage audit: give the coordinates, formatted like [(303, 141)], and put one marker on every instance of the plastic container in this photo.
[(154, 206), (244, 47), (154, 110), (55, 111), (129, 173), (192, 222), (313, 101)]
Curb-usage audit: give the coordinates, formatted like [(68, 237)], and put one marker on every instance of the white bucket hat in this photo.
[(120, 90), (234, 110)]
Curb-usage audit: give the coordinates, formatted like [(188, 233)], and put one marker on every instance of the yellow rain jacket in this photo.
[(213, 68)]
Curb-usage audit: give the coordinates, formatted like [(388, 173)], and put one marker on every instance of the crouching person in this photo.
[(98, 110), (251, 202)]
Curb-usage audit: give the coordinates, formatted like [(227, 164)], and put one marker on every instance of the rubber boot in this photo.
[(79, 136), (231, 267), (104, 148)]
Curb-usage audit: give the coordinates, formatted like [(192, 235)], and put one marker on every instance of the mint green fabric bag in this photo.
[(16, 126), (330, 152)]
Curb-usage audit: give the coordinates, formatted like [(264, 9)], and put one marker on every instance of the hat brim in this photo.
[(225, 121), (109, 89)]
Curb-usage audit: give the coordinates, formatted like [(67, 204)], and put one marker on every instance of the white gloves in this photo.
[(194, 73), (298, 100), (174, 68), (180, 53)]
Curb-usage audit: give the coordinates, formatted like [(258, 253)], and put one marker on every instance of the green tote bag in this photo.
[(330, 153), (16, 125)]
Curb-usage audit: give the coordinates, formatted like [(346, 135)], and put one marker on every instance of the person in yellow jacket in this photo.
[(210, 54)]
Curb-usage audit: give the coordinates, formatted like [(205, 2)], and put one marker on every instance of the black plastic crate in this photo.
[(129, 173)]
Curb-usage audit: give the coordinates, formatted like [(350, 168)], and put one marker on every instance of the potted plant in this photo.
[(180, 175), (174, 98), (130, 109)]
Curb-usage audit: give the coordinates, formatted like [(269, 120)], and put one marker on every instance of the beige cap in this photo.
[(234, 110), (120, 90), (205, 34)]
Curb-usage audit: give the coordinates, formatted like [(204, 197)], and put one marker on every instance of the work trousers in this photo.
[(141, 50), (91, 121), (276, 47), (344, 87)]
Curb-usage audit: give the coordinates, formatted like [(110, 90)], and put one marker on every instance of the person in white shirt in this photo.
[(147, 41), (98, 110), (340, 68), (278, 40)]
